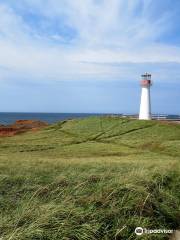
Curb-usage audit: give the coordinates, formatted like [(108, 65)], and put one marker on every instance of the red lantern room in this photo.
[(146, 80)]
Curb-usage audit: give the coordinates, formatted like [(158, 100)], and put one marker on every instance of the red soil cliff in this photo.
[(21, 126)]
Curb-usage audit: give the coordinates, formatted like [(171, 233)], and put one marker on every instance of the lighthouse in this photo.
[(145, 106)]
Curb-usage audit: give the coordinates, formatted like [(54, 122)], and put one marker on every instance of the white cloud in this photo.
[(115, 31)]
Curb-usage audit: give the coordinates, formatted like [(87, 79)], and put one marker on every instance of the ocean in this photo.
[(9, 118)]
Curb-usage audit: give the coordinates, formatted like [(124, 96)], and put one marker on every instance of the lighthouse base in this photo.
[(145, 118)]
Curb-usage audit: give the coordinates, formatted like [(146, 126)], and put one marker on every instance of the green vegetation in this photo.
[(94, 178)]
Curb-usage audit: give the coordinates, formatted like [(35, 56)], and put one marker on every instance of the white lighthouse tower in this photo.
[(145, 106)]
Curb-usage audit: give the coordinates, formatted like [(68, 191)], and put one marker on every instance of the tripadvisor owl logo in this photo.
[(139, 231)]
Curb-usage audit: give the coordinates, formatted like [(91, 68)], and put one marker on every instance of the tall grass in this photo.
[(95, 178)]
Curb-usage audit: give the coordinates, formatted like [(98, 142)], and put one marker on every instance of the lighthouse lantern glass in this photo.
[(146, 80)]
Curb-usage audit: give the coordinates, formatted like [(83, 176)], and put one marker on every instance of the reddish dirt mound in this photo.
[(29, 124), (10, 131), (21, 126)]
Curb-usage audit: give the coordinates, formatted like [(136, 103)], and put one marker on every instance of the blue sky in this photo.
[(88, 55)]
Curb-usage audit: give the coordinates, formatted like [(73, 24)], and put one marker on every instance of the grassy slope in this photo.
[(96, 178)]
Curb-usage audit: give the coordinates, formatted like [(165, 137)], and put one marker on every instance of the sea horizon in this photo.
[(7, 118)]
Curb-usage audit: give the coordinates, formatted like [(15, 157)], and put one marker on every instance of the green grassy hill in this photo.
[(94, 178)]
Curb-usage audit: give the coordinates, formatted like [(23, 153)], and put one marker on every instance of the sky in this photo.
[(88, 55)]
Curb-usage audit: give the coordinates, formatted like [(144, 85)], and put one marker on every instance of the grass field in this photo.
[(91, 179)]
